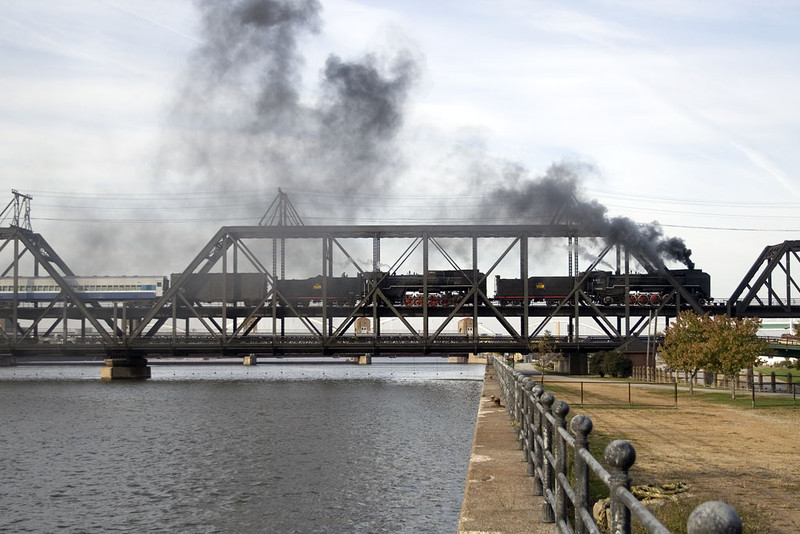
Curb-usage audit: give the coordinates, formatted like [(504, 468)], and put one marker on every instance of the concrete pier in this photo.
[(468, 358), (125, 369), (7, 360), (498, 496), (250, 359)]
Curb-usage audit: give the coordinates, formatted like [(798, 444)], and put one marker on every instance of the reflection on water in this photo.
[(298, 447)]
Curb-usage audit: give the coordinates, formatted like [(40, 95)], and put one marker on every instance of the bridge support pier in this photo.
[(365, 359), (125, 369), (459, 359), (251, 359), (7, 360)]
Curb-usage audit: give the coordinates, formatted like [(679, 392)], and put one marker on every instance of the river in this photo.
[(278, 447)]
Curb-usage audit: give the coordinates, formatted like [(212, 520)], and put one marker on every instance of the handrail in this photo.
[(545, 444)]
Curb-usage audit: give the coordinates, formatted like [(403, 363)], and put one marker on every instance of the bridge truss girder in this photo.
[(230, 246), (769, 282)]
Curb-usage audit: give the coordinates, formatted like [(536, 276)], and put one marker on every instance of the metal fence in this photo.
[(548, 449), (610, 393), (755, 383)]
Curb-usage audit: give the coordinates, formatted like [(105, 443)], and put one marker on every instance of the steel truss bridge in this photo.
[(72, 326)]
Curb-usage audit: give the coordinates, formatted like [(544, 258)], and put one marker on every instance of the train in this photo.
[(607, 288), (39, 288), (444, 288)]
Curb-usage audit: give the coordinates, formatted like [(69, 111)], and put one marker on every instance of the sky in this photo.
[(141, 127)]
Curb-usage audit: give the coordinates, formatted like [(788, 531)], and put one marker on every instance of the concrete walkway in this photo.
[(498, 494)]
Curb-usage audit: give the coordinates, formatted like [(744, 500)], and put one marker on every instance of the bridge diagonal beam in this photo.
[(38, 320), (202, 263), (642, 257), (46, 257), (571, 295), (758, 276)]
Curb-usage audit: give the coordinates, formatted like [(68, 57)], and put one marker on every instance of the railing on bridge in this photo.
[(545, 442)]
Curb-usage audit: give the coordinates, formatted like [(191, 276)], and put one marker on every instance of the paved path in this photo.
[(498, 494)]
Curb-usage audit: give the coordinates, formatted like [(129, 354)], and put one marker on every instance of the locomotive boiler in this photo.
[(605, 287), (445, 287)]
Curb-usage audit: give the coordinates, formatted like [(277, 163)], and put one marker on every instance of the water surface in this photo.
[(227, 448)]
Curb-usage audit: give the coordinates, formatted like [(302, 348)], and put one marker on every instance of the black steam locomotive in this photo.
[(445, 288), (604, 287)]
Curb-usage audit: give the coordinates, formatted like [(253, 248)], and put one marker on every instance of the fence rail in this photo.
[(613, 393), (747, 381), (546, 446)]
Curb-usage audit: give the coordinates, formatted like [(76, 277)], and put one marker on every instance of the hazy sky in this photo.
[(682, 112)]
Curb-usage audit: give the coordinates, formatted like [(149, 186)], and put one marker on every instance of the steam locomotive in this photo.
[(604, 287), (445, 288)]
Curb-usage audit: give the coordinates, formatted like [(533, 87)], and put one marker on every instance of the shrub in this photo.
[(596, 364), (617, 365)]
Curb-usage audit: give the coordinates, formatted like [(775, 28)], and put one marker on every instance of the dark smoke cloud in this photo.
[(361, 114), (244, 122), (556, 197)]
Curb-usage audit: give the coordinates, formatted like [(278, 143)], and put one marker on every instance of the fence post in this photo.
[(522, 435), (530, 409), (538, 440), (581, 426), (772, 381), (560, 411), (788, 381), (620, 456), (548, 515), (519, 409)]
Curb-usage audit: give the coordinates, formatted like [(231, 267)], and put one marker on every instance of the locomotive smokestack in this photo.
[(674, 248)]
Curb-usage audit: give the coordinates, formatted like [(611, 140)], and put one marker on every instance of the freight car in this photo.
[(339, 291), (86, 287), (604, 287), (249, 288), (252, 288), (549, 289)]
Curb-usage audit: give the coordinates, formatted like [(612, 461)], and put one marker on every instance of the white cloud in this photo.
[(682, 99)]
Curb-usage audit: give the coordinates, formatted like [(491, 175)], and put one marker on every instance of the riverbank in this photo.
[(498, 496)]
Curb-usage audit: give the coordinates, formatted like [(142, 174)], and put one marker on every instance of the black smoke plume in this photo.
[(245, 120), (556, 198)]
